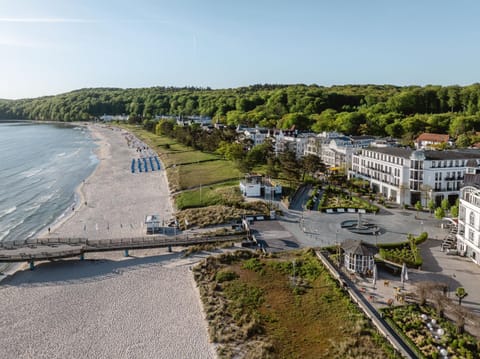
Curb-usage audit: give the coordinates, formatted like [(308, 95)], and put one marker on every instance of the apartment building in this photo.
[(407, 176), (468, 234), (336, 150)]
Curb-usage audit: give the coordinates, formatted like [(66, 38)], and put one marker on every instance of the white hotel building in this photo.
[(468, 234), (407, 176)]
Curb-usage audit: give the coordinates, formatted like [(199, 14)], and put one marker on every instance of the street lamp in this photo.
[(421, 227)]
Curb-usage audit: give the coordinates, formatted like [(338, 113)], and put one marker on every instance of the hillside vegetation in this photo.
[(353, 109)]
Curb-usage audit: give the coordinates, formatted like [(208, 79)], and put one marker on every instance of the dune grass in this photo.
[(267, 307), (223, 193), (203, 173)]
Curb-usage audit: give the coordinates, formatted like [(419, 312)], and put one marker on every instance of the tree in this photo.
[(311, 164), (428, 290), (418, 206), (463, 141), (445, 205), (460, 293), (439, 213), (431, 206), (461, 314), (271, 169), (454, 211), (289, 165)]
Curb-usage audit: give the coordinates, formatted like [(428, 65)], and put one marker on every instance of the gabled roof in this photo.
[(433, 137)]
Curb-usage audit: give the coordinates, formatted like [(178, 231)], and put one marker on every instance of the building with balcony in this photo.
[(468, 234), (408, 176)]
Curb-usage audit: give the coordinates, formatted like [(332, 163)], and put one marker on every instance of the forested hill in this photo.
[(353, 109)]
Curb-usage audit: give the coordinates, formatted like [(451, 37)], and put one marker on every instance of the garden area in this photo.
[(335, 197), (404, 252), (283, 305), (429, 334)]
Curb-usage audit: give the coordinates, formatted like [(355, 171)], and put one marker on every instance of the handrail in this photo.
[(46, 248)]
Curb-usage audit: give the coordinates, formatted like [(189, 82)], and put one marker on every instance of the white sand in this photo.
[(145, 306), (134, 308), (117, 199)]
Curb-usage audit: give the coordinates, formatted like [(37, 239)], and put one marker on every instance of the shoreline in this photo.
[(129, 306), (7, 269), (112, 202), (78, 195)]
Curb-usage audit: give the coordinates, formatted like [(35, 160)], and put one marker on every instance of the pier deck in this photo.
[(55, 248)]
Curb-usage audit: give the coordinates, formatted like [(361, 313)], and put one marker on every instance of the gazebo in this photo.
[(358, 256)]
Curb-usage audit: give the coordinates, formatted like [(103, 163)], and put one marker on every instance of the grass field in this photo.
[(204, 173), (170, 151), (283, 307), (224, 193)]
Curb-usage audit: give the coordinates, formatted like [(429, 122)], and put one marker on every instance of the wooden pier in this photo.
[(39, 249)]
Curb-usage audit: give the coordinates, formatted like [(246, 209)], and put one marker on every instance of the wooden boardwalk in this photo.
[(55, 248)]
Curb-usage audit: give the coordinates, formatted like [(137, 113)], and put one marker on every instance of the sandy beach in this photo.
[(143, 307), (113, 201), (108, 306)]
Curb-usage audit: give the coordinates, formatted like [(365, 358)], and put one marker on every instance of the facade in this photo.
[(339, 150), (468, 234), (407, 176), (430, 140), (358, 257), (257, 135), (292, 141)]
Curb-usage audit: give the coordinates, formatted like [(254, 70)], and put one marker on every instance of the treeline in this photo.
[(244, 155), (353, 109)]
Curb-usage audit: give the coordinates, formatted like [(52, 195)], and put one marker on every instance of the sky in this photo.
[(54, 46)]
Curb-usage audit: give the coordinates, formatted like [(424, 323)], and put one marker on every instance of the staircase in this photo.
[(449, 243)]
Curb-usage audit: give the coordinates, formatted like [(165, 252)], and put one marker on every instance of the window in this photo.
[(472, 219), (471, 235)]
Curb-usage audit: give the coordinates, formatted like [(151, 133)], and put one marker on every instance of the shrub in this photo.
[(225, 276), (253, 264)]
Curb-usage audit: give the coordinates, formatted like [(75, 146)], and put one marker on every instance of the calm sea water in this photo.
[(40, 167)]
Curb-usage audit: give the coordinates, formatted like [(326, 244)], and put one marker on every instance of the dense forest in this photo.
[(353, 109)]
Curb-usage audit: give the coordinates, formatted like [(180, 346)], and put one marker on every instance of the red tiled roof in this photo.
[(433, 137)]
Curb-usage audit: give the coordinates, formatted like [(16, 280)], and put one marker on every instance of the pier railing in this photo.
[(52, 248)]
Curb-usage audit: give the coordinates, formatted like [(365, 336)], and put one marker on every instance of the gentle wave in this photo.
[(37, 189), (31, 173), (7, 211)]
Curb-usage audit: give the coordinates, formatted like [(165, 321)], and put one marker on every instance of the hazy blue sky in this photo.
[(53, 46)]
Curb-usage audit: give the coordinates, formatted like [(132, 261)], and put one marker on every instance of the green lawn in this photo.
[(196, 174), (170, 151), (186, 157), (224, 193)]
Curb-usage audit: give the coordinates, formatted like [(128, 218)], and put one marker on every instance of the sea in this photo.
[(41, 165)]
